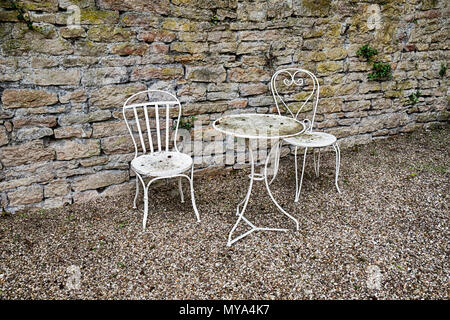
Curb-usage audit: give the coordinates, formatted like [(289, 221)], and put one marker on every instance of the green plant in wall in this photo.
[(22, 14), (414, 97), (214, 20), (381, 71), (443, 70), (366, 52), (185, 123)]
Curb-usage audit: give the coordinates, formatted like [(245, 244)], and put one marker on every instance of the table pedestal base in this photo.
[(240, 211)]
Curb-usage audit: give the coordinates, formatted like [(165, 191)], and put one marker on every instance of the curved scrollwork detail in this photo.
[(293, 78), (298, 82)]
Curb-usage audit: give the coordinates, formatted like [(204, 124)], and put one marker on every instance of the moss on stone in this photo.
[(321, 7), (16, 47), (41, 5), (295, 107), (429, 4), (98, 17)]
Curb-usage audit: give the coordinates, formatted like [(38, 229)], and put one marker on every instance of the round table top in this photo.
[(259, 126)]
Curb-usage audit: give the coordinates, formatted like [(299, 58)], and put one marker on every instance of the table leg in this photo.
[(268, 187), (240, 213), (243, 203)]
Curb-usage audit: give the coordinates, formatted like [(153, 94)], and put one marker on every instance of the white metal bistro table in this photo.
[(258, 126)]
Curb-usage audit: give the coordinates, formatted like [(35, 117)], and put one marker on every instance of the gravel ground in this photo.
[(385, 237)]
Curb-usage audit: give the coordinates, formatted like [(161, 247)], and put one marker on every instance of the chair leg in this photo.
[(144, 222), (316, 163), (338, 164), (180, 187), (296, 172), (276, 162), (297, 196), (191, 181), (137, 193)]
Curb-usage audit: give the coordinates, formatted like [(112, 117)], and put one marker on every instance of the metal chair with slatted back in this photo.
[(310, 138), (151, 114)]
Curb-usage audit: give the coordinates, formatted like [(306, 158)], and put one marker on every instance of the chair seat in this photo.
[(159, 164), (312, 140)]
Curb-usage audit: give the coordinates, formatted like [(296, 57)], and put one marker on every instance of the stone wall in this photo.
[(63, 82)]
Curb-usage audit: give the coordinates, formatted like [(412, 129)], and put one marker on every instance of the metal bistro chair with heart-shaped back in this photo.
[(151, 114), (310, 138)]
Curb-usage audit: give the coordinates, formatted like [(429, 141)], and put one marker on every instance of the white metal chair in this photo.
[(159, 160), (308, 139)]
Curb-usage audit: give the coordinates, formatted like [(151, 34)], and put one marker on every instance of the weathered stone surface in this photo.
[(79, 197), (199, 108), (8, 126), (37, 177), (89, 48), (72, 132), (49, 122), (100, 180), (108, 129), (329, 67), (157, 72), (192, 92), (252, 74), (237, 103), (104, 76), (114, 96), (108, 33), (224, 47), (252, 11), (70, 62), (189, 47), (253, 89), (330, 105), (259, 35), (126, 49), (159, 48), (39, 5), (94, 161), (356, 106), (336, 54), (117, 144), (206, 74), (154, 6), (44, 62), (21, 98), (115, 190), (10, 77), (252, 47), (69, 33), (56, 188), (260, 101), (55, 47), (120, 161), (25, 195), (3, 136), (50, 77), (57, 202), (27, 134), (33, 151), (99, 17), (159, 35), (80, 118), (140, 19), (75, 149), (179, 25), (75, 96)]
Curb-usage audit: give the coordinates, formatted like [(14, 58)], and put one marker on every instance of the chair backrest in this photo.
[(148, 115), (284, 94)]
